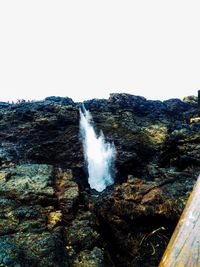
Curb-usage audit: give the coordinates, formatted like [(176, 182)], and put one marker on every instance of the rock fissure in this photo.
[(49, 215)]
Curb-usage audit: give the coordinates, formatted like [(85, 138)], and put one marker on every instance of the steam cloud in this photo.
[(99, 154)]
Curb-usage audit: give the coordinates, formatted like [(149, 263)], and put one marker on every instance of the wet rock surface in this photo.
[(48, 214)]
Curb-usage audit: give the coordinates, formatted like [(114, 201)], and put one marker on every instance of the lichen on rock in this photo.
[(48, 214)]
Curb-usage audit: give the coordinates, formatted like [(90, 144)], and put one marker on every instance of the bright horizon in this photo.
[(89, 49)]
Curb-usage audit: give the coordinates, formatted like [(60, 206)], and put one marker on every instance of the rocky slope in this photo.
[(48, 214)]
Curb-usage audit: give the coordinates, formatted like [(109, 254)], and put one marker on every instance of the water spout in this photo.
[(99, 154)]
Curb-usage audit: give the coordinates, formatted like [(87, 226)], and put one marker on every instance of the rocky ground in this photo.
[(48, 214)]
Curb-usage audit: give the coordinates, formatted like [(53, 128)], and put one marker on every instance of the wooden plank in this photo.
[(183, 249)]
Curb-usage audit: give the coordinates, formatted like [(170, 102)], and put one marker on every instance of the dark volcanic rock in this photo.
[(31, 231), (138, 217), (48, 214), (28, 249), (61, 100)]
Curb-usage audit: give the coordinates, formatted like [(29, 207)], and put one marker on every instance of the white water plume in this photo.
[(99, 154)]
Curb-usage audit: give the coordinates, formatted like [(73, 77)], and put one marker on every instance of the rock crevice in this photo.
[(48, 214)]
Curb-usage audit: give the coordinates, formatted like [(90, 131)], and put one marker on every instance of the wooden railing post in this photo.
[(183, 249)]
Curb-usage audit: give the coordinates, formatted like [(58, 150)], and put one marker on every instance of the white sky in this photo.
[(86, 49)]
